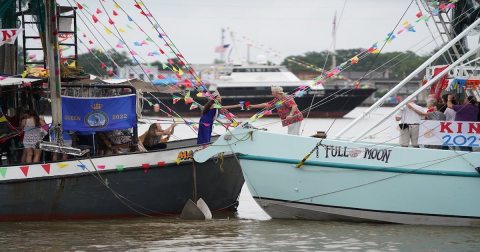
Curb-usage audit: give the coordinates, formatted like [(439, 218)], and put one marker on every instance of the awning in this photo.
[(11, 81)]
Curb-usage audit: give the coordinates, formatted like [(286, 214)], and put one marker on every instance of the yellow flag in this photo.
[(180, 72), (62, 165), (72, 65), (108, 32), (178, 161), (116, 6), (24, 74), (200, 94), (3, 119), (121, 29)]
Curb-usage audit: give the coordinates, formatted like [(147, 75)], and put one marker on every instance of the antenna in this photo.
[(334, 41), (222, 43)]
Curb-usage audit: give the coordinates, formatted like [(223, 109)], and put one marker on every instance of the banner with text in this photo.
[(449, 133), (99, 113)]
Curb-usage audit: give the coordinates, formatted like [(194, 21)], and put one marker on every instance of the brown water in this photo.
[(249, 230), (158, 234)]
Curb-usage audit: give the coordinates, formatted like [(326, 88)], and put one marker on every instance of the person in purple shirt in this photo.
[(468, 112)]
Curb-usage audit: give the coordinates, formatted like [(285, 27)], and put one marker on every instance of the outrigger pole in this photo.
[(411, 76), (53, 61)]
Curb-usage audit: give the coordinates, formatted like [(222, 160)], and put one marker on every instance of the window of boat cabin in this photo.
[(256, 70), (131, 76), (151, 77), (141, 76)]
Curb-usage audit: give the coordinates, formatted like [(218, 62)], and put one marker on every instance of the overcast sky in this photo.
[(291, 27)]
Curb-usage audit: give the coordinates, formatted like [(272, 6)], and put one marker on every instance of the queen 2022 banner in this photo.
[(99, 113), (449, 133)]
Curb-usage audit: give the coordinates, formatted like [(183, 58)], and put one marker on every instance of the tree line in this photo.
[(400, 64)]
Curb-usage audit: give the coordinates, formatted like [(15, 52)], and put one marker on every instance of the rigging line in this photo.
[(172, 64), (158, 100), (318, 103), (191, 70), (326, 58), (121, 37), (128, 47)]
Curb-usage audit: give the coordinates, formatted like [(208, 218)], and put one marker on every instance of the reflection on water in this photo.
[(251, 230)]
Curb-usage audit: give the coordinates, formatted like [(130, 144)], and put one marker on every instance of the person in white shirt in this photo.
[(409, 124)]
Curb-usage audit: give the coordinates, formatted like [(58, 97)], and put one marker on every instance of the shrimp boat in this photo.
[(339, 179), (132, 184)]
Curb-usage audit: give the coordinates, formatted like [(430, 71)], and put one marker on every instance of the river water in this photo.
[(250, 229)]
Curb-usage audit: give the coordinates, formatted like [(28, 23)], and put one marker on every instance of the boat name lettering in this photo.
[(369, 153), (378, 154), (72, 118)]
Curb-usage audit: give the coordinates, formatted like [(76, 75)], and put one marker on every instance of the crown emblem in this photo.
[(97, 106)]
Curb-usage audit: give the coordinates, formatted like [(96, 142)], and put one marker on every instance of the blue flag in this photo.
[(99, 113)]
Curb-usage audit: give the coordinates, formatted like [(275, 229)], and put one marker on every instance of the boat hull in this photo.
[(346, 181), (141, 184), (329, 103)]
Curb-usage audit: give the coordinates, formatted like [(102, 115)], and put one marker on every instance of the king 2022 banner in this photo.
[(449, 133), (99, 113)]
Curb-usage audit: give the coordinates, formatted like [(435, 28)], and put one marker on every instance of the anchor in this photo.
[(198, 210)]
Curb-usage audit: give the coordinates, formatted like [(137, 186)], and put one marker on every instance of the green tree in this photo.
[(91, 63), (400, 64)]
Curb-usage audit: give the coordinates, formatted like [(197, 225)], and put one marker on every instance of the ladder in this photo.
[(443, 24), (67, 38)]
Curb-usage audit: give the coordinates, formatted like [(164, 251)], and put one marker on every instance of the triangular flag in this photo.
[(46, 167), (121, 29), (176, 99), (114, 13), (217, 106), (129, 18), (99, 11), (116, 6), (119, 167), (145, 167), (200, 94), (3, 171), (24, 169), (110, 21), (82, 166), (194, 106), (161, 163), (108, 32), (62, 165), (188, 100), (80, 7), (101, 167), (95, 19)]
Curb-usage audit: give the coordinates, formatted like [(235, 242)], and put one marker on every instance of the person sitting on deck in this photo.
[(116, 141), (155, 138)]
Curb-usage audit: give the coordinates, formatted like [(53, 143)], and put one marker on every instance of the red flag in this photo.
[(80, 7), (145, 167), (46, 167), (138, 6), (161, 163), (161, 51), (103, 65), (90, 42), (110, 21), (99, 11), (24, 169), (160, 76), (95, 19), (101, 167), (115, 13)]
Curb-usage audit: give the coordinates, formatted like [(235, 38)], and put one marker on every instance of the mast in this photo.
[(222, 42), (53, 61), (334, 41)]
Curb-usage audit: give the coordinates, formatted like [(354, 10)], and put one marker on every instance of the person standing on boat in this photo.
[(409, 124), (468, 112), (32, 125), (287, 109), (209, 115)]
